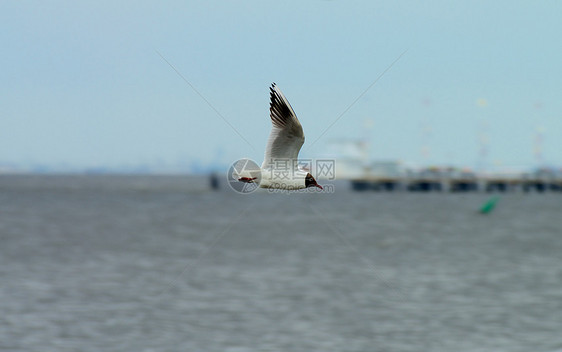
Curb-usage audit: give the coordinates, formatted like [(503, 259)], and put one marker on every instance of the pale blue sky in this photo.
[(81, 83)]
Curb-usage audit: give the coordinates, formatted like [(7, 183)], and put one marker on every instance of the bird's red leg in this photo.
[(247, 179)]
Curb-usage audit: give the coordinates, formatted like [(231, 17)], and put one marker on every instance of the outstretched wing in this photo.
[(286, 137)]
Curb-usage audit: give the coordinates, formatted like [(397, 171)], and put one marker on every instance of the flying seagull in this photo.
[(280, 168)]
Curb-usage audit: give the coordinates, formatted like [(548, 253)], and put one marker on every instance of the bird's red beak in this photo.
[(317, 185)]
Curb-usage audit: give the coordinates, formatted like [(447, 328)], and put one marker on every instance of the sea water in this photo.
[(138, 263)]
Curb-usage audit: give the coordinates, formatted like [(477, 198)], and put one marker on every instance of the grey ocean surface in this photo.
[(139, 263)]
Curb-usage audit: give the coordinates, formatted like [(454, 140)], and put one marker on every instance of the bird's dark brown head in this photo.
[(309, 181)]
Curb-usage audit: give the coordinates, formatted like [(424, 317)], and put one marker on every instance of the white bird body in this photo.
[(279, 169)]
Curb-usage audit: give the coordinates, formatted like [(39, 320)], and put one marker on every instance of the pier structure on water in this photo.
[(456, 180), (354, 164)]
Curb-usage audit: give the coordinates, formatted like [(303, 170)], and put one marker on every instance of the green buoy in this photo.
[(489, 205)]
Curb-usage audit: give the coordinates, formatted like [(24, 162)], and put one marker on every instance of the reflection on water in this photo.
[(162, 264)]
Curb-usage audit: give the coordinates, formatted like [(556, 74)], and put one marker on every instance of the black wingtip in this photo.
[(272, 93)]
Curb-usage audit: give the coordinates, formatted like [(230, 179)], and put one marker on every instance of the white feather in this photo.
[(286, 137)]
